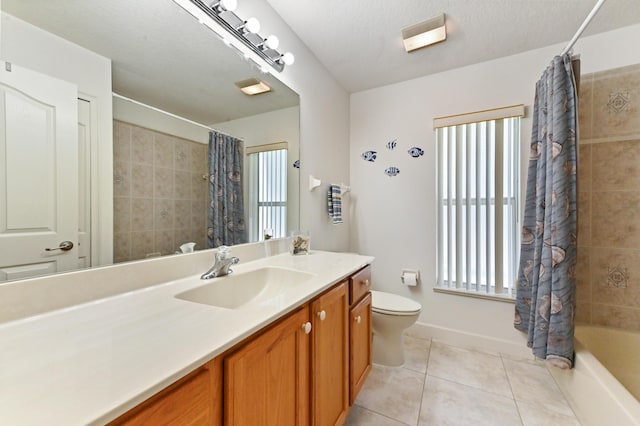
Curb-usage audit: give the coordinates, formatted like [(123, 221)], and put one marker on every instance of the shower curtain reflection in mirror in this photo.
[(226, 223)]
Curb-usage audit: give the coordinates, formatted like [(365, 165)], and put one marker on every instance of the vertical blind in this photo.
[(267, 192), (477, 188)]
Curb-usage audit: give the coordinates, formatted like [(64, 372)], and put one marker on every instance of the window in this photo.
[(477, 197), (267, 191)]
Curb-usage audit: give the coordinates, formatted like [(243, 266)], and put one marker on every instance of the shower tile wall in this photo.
[(608, 270), (160, 196)]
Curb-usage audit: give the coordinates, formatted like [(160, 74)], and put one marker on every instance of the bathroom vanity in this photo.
[(293, 355)]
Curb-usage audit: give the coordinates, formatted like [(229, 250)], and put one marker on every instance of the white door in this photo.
[(38, 173), (84, 184)]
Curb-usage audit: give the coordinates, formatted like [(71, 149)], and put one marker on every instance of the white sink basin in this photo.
[(238, 290)]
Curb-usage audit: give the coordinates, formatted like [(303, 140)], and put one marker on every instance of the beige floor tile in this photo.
[(416, 354), (449, 403), (359, 416), (468, 394), (468, 367), (533, 414), (530, 358), (533, 383), (393, 392), (418, 331)]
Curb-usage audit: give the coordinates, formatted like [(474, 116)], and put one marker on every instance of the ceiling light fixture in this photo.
[(425, 33), (245, 31), (253, 86), (287, 59), (271, 42), (251, 25), (224, 5)]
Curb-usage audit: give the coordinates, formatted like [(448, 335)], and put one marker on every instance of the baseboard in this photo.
[(469, 340)]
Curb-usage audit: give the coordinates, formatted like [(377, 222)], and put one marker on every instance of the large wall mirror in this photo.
[(107, 109)]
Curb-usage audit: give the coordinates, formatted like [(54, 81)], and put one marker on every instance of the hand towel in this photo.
[(334, 203)]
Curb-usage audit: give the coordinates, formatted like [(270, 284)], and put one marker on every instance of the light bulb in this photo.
[(272, 42), (222, 5), (252, 25), (288, 58)]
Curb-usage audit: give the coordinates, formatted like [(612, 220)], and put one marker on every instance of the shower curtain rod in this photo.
[(195, 123), (583, 26)]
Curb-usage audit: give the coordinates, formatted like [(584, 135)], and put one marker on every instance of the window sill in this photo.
[(507, 298)]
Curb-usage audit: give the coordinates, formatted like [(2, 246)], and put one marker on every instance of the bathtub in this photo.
[(606, 376)]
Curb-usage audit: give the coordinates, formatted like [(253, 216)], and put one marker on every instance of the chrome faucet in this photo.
[(222, 265)]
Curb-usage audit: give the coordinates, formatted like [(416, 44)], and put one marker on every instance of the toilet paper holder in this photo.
[(408, 275)]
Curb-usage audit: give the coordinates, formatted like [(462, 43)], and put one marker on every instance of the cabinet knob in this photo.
[(358, 319), (306, 327), (322, 314), (366, 283)]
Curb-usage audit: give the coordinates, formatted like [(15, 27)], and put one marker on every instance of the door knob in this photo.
[(64, 246), (358, 319), (322, 314), (306, 327)]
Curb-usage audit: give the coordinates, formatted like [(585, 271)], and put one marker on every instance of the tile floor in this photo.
[(447, 385)]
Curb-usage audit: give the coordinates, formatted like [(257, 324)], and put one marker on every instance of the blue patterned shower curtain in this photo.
[(226, 225), (546, 301)]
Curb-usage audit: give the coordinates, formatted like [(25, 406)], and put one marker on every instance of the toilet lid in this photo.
[(393, 304)]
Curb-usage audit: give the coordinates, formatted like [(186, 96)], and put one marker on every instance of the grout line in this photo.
[(470, 387), (515, 402), (424, 382), (380, 414)]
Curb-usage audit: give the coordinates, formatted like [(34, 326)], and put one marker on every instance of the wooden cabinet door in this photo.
[(196, 399), (266, 381), (359, 346), (330, 358)]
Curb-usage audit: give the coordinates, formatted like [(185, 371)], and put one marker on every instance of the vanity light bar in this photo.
[(242, 30)]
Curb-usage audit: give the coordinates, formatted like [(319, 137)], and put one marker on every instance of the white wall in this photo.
[(276, 126), (324, 128), (394, 218), (33, 48)]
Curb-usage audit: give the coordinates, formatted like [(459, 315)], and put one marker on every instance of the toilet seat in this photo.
[(392, 304)]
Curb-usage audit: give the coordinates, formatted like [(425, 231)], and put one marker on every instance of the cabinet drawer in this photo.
[(359, 284), (193, 400)]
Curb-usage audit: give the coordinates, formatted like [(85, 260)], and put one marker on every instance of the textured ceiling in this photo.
[(160, 55), (360, 43)]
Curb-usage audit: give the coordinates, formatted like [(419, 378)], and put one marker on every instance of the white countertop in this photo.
[(89, 363)]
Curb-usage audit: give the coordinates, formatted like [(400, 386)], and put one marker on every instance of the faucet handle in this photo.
[(223, 252)]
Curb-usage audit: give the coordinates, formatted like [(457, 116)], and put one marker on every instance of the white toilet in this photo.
[(392, 314)]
